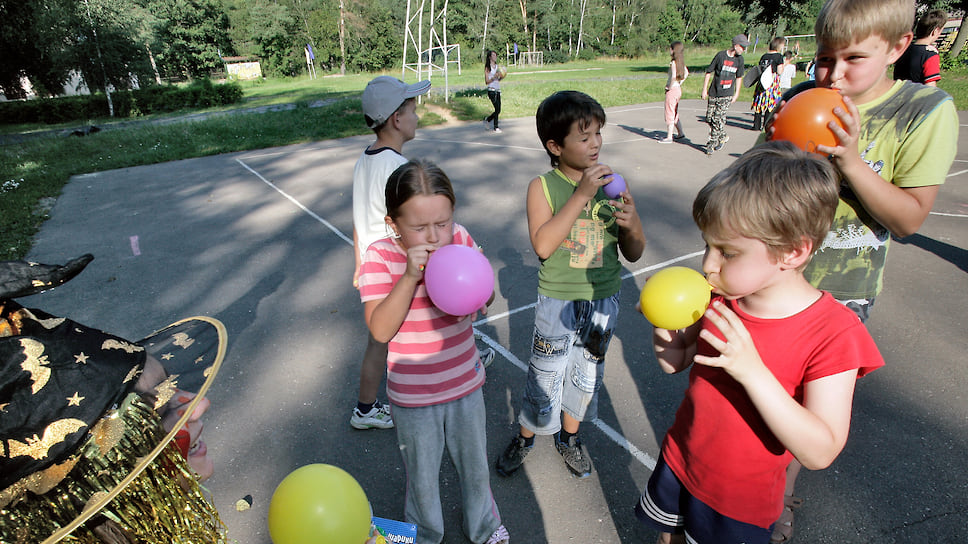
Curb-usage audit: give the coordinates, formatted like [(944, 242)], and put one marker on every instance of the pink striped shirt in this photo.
[(433, 358)]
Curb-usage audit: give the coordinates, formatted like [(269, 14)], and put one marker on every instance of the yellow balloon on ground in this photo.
[(319, 504), (675, 297)]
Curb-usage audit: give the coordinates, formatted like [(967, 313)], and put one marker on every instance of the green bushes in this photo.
[(146, 101)]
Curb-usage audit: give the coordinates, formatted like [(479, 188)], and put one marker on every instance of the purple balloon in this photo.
[(615, 187), (459, 279)]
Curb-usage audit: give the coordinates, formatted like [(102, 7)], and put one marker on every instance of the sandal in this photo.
[(783, 528)]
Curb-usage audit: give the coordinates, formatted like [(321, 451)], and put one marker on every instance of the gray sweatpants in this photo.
[(422, 434)]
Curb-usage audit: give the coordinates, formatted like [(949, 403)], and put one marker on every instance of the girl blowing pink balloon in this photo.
[(434, 374)]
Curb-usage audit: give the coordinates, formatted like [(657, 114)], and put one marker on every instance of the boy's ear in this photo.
[(798, 257), (553, 147), (900, 47)]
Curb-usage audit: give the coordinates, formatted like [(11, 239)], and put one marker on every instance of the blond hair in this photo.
[(842, 22), (774, 193)]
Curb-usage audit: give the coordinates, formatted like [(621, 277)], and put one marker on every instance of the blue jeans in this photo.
[(567, 363)]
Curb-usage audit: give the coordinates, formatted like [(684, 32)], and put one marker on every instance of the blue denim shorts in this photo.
[(567, 361)]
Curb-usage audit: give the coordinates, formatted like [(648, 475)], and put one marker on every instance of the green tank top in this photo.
[(586, 265)]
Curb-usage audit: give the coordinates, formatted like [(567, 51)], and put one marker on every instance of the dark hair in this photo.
[(487, 60), (413, 178), (774, 193), (777, 43), (677, 56), (559, 111), (931, 20)]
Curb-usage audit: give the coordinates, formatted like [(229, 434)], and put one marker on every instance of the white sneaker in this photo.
[(377, 418), (487, 124), (497, 130), (500, 536), (487, 356)]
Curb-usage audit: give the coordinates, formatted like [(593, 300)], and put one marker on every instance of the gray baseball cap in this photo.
[(741, 39), (384, 94)]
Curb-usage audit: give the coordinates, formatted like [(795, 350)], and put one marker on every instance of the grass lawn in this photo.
[(34, 171)]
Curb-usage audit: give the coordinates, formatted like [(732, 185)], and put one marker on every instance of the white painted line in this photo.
[(614, 435), (135, 247), (956, 173), (647, 460), (298, 204), (949, 214), (481, 144)]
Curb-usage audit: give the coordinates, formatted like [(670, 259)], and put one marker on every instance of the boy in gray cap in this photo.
[(726, 73), (389, 108)]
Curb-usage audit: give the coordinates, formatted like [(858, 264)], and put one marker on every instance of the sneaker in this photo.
[(377, 418), (487, 124), (487, 356), (499, 536), (497, 130), (679, 137), (575, 456), (513, 456), (665, 140)]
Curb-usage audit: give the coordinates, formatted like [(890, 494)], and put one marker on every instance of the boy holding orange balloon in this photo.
[(895, 142), (773, 361), (577, 231)]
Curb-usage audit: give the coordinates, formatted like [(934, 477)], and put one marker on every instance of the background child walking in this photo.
[(766, 96), (677, 74), (722, 84), (435, 391), (921, 62), (773, 360), (577, 233), (899, 143), (492, 77)]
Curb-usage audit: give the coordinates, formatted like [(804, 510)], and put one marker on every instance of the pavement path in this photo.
[(261, 241)]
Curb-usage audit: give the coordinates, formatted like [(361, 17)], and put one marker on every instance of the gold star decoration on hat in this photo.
[(75, 400), (81, 359)]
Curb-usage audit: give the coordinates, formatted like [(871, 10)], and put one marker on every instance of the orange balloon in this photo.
[(803, 119)]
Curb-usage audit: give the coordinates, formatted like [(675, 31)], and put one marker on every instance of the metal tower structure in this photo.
[(435, 55)]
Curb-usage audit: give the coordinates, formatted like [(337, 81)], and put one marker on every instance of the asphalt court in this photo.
[(262, 240)]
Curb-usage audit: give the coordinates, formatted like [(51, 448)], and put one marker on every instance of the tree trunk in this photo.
[(523, 4), (581, 25), (959, 42), (612, 41), (342, 43), (154, 67), (487, 13)]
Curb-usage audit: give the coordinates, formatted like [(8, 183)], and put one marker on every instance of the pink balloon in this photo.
[(615, 187), (459, 279)]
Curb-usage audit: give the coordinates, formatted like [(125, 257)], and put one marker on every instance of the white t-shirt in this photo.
[(787, 75), (369, 194)]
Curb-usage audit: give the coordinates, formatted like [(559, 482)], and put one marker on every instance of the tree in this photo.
[(191, 33)]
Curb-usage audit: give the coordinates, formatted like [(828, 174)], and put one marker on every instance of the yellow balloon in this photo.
[(675, 297), (319, 504)]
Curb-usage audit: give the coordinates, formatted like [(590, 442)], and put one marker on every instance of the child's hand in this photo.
[(625, 215), (737, 354), (847, 139), (417, 257), (592, 179)]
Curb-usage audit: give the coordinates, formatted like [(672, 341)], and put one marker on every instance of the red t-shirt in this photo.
[(433, 358), (720, 447)]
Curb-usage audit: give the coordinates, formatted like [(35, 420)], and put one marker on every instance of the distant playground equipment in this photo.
[(435, 57)]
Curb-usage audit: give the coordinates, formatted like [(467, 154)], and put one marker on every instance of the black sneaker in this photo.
[(513, 456), (575, 456)]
